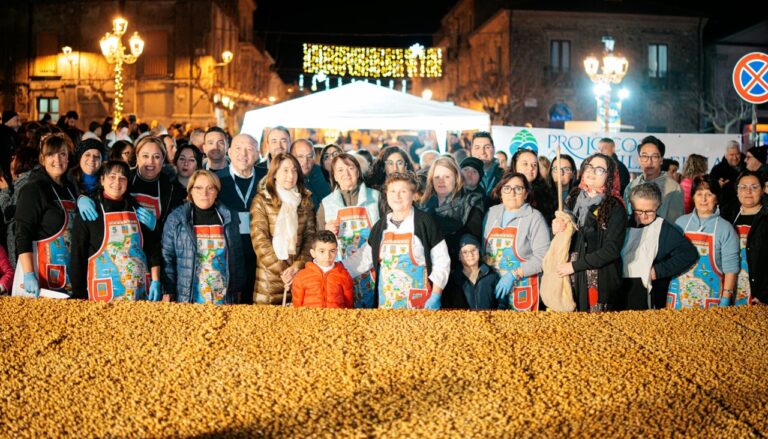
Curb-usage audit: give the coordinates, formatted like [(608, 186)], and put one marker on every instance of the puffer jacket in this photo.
[(180, 249), (314, 289), (269, 286)]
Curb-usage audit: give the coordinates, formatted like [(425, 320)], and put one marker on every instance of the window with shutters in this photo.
[(46, 55), (657, 60), (560, 56), (154, 60)]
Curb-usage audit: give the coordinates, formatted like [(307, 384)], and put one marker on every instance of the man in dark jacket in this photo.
[(315, 181), (483, 149), (725, 174)]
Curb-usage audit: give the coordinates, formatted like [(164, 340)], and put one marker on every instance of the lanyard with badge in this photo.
[(245, 217)]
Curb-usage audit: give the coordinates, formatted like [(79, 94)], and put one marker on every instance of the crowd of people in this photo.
[(202, 217)]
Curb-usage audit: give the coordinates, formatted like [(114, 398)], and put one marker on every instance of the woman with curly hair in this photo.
[(601, 222), (695, 166), (392, 159)]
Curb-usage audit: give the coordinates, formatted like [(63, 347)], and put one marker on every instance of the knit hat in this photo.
[(475, 163), (8, 115), (87, 144), (758, 152), (467, 239)]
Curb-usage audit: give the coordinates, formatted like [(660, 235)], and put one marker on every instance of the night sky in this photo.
[(284, 25)]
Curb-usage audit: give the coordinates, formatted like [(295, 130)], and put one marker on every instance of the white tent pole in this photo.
[(441, 136)]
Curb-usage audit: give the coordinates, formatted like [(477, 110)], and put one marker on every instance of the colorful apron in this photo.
[(149, 202), (51, 255), (702, 285), (354, 230), (210, 277), (501, 254), (403, 284), (119, 269), (743, 293)]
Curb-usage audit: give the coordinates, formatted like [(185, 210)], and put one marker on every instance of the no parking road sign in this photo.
[(750, 78)]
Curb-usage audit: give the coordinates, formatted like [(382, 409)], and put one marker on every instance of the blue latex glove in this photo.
[(87, 208), (505, 285), (155, 292), (30, 284), (433, 302), (146, 217)]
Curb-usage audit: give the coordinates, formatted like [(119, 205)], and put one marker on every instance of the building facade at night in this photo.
[(180, 76), (526, 66)]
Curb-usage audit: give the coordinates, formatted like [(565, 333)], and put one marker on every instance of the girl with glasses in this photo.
[(601, 221), (563, 172)]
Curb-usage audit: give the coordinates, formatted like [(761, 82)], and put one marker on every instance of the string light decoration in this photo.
[(113, 50), (373, 62)]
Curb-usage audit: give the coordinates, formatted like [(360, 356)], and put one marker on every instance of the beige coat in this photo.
[(269, 286)]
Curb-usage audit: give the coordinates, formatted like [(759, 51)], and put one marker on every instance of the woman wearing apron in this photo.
[(202, 250), (349, 212), (601, 222), (752, 226), (115, 257), (516, 238), (712, 281), (149, 186), (44, 218), (406, 250)]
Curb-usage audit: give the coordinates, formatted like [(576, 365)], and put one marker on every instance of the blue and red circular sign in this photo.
[(750, 78)]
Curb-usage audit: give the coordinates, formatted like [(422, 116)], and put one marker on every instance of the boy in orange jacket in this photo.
[(323, 283)]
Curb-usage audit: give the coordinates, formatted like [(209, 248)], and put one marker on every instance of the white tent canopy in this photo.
[(361, 105)]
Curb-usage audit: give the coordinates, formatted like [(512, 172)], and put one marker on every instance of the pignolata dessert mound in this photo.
[(79, 369)]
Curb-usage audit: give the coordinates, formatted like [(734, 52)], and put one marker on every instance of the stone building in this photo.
[(180, 77)]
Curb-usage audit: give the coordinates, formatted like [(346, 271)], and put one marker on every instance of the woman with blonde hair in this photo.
[(695, 165), (455, 210), (282, 228), (202, 249)]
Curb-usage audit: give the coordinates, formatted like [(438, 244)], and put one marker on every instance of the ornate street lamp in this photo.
[(612, 71), (114, 51)]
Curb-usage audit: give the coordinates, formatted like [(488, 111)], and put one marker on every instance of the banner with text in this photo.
[(580, 145)]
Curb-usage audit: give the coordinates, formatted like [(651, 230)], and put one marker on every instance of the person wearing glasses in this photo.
[(562, 173), (115, 257), (712, 281), (601, 222), (526, 162), (654, 252), (392, 159), (516, 238), (752, 226), (651, 152), (202, 251), (607, 146), (329, 152)]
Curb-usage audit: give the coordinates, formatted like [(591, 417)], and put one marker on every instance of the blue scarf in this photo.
[(89, 182)]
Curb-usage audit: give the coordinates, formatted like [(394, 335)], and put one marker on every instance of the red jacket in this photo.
[(314, 289), (6, 271)]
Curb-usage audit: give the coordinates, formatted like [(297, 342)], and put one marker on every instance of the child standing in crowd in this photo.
[(476, 280), (323, 283)]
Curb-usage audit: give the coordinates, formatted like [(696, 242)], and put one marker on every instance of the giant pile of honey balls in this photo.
[(79, 369)]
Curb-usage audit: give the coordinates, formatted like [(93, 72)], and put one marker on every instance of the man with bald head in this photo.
[(239, 183), (304, 151), (725, 173)]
